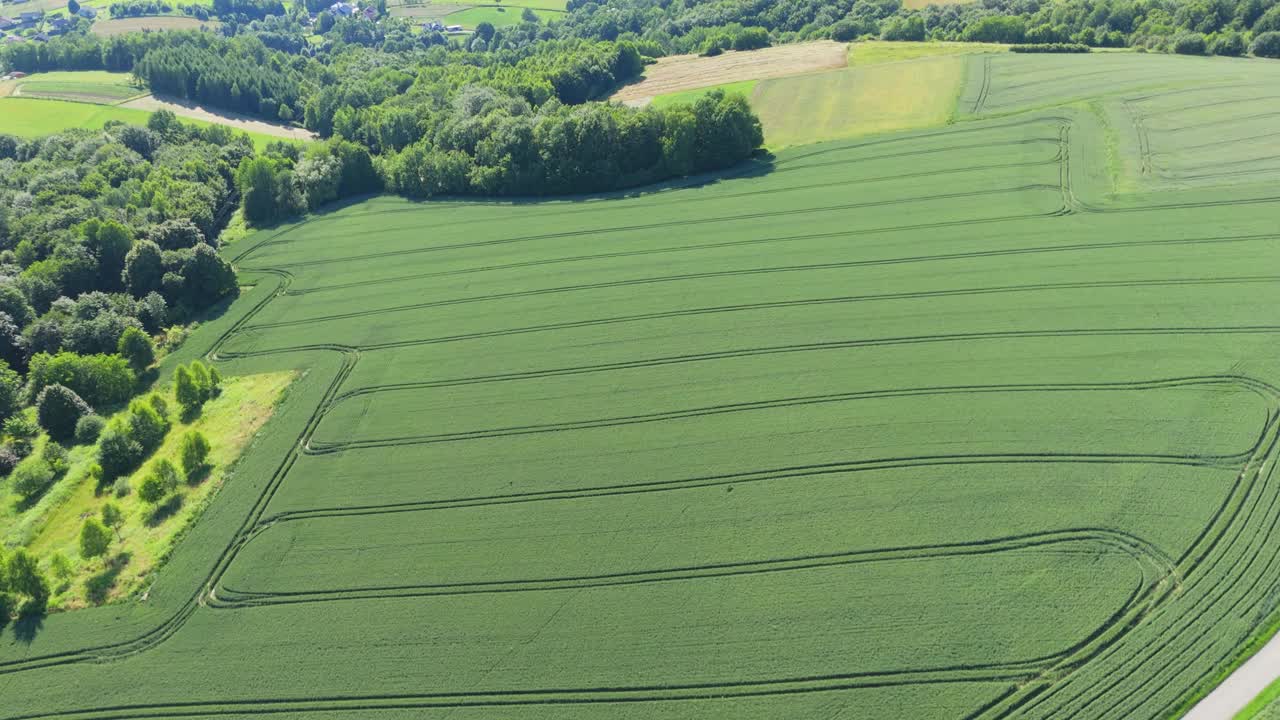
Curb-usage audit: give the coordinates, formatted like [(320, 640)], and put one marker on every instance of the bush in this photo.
[(88, 428), (118, 452), (31, 477), (1228, 44), (162, 480), (136, 347), (844, 31), (99, 379), (194, 453), (752, 38), (55, 456), (1266, 45), (59, 409), (146, 427), (997, 29), (1051, 48), (8, 460), (23, 429), (1189, 44)]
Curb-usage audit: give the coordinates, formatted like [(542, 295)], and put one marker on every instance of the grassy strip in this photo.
[(228, 421), (746, 87), (37, 117), (876, 52)]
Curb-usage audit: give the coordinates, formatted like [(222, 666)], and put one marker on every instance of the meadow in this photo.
[(971, 421), (30, 117)]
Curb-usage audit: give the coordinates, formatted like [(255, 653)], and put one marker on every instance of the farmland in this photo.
[(98, 87), (469, 13), (109, 27), (969, 421), (687, 72)]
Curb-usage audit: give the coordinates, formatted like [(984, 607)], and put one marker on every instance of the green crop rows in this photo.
[(974, 422)]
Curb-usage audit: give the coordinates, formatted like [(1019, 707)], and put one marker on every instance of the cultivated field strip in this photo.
[(953, 423)]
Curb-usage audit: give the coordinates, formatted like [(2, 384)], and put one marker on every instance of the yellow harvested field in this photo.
[(120, 26), (858, 101), (687, 72)]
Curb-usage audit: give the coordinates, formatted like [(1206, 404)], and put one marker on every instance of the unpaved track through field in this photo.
[(687, 72), (186, 108)]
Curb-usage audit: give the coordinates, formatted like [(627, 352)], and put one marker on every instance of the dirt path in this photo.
[(1241, 687), (186, 108), (686, 72)]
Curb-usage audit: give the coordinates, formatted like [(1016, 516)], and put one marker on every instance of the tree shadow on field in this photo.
[(164, 511), (758, 165), (98, 587), (27, 627)]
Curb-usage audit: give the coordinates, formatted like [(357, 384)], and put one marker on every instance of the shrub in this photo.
[(8, 460), (55, 456), (31, 477), (88, 428), (161, 481), (1051, 48), (59, 410), (159, 404), (99, 379), (186, 390), (844, 31), (1228, 44), (23, 429), (118, 452), (146, 427), (137, 348), (204, 383), (94, 539), (1189, 44), (752, 38), (194, 453), (1266, 45)]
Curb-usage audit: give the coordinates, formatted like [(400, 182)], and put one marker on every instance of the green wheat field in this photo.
[(977, 421)]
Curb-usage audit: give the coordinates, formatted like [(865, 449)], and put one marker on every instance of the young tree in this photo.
[(186, 389), (146, 426), (137, 348), (200, 374), (113, 518), (94, 539), (162, 480), (195, 451), (118, 452), (58, 409)]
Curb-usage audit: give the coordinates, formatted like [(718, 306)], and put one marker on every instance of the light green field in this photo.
[(936, 424), (31, 117), (874, 52), (746, 87), (857, 101), (498, 16), (91, 86)]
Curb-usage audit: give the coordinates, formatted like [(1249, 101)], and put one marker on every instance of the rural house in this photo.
[(31, 16), (87, 13), (342, 9), (6, 23)]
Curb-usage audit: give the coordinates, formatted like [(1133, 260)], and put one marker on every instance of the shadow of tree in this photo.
[(27, 627), (97, 587), (164, 511)]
